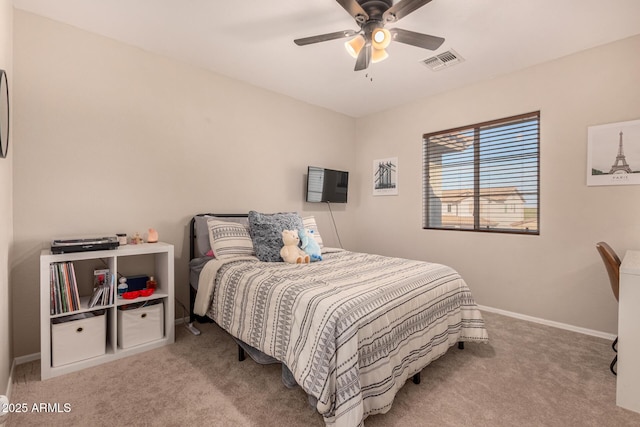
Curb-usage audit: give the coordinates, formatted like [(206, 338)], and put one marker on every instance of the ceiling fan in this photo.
[(372, 39)]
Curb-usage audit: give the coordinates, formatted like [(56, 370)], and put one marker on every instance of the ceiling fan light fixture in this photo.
[(369, 43), (354, 45), (380, 38), (378, 55)]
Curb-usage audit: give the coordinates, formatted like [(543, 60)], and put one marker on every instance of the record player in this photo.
[(61, 246)]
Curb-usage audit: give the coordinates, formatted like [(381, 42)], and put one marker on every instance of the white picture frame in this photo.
[(613, 154), (384, 177)]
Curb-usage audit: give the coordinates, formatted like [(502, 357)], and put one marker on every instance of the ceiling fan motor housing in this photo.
[(371, 25), (374, 8)]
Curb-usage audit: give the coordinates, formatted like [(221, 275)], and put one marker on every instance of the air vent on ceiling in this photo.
[(443, 60)]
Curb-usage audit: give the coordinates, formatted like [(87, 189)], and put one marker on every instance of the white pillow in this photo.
[(309, 222), (229, 239)]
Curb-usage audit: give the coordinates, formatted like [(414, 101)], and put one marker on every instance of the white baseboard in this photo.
[(26, 359), (10, 379), (10, 384), (5, 414), (565, 326)]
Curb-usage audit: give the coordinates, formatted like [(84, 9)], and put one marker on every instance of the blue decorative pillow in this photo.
[(266, 232)]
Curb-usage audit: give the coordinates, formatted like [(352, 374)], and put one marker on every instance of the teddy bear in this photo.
[(309, 244), (290, 252)]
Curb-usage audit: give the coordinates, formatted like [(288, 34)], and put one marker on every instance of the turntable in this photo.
[(61, 246)]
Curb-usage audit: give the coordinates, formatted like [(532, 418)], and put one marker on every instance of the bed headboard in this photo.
[(193, 230)]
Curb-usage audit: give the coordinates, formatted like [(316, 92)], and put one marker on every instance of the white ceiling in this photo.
[(252, 41)]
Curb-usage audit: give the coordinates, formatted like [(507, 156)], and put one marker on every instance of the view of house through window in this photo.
[(484, 177)]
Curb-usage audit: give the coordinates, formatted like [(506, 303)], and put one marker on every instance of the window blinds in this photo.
[(484, 177)]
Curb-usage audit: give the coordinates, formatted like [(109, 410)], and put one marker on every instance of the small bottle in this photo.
[(151, 283), (122, 287)]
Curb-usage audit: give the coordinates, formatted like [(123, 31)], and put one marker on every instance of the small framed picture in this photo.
[(385, 177), (613, 154)]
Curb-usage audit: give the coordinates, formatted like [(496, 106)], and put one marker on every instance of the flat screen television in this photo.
[(327, 185)]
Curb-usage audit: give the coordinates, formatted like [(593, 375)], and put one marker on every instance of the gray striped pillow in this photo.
[(229, 239)]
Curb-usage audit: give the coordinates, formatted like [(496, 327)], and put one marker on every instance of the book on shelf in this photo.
[(97, 293), (76, 294)]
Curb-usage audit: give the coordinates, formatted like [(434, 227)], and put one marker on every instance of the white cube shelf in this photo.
[(78, 344)]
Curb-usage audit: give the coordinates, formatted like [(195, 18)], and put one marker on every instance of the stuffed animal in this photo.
[(309, 244), (290, 252)]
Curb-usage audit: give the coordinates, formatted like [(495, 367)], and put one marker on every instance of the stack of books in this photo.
[(103, 288), (64, 289)]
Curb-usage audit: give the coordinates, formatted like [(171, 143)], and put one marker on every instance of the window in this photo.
[(491, 167)]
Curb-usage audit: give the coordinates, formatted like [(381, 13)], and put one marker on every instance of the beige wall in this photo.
[(113, 139), (6, 205), (558, 275)]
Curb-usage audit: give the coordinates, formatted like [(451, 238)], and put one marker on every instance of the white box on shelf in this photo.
[(78, 338), (140, 325)]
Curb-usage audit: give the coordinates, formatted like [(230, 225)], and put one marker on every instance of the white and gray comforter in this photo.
[(351, 328)]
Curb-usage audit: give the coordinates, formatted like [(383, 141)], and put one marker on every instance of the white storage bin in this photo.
[(78, 337), (140, 325)]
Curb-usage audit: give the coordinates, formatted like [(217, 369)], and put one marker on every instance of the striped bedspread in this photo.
[(351, 328)]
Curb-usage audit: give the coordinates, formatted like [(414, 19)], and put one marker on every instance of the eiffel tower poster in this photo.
[(613, 155)]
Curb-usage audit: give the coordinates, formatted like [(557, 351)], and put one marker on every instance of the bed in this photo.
[(350, 329)]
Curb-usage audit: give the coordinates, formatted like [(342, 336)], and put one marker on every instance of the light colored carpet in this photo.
[(529, 375)]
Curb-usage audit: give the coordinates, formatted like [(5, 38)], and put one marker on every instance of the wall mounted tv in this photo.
[(327, 185)]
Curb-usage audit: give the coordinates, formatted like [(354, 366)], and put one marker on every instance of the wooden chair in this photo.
[(612, 264)]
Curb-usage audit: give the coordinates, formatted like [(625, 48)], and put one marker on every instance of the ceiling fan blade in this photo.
[(424, 41), (364, 57), (355, 10), (401, 9), (325, 37)]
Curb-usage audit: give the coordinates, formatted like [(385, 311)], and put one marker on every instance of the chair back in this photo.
[(612, 263)]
